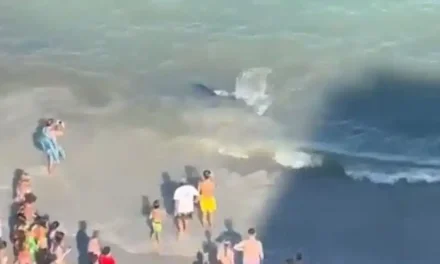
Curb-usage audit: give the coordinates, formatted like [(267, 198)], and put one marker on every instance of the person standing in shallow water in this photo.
[(207, 201), (184, 198), (156, 217), (252, 248)]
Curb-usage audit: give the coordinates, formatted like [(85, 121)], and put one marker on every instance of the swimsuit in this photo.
[(49, 146), (157, 227), (208, 204)]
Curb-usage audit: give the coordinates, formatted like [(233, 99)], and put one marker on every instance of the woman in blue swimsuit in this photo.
[(48, 142)]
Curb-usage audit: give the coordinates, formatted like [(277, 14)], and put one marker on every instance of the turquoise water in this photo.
[(143, 34)]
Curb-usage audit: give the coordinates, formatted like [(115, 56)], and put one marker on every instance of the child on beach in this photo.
[(106, 256), (156, 217), (225, 253)]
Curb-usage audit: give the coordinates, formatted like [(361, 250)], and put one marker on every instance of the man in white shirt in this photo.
[(184, 198)]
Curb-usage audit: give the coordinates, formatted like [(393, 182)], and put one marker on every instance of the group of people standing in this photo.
[(37, 240), (185, 197), (34, 238)]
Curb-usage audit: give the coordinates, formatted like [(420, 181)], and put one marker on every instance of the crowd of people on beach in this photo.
[(200, 200), (35, 239), (186, 197)]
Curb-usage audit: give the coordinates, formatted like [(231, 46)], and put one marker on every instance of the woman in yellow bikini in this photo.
[(208, 203), (156, 216)]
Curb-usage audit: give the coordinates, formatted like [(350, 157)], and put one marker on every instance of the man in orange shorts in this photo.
[(208, 203)]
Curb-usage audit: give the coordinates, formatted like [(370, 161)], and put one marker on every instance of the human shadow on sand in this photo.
[(82, 242), (167, 189), (145, 206), (145, 211), (192, 175), (18, 173), (210, 248), (37, 133), (14, 206), (199, 258), (12, 218), (229, 234)]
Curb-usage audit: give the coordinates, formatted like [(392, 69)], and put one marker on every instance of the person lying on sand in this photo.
[(252, 248), (184, 198), (156, 217), (207, 201)]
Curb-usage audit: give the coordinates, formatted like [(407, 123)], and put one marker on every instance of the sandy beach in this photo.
[(109, 189)]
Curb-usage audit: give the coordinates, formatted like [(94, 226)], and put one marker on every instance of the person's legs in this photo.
[(49, 164), (157, 229), (53, 155), (180, 225), (203, 210), (186, 217)]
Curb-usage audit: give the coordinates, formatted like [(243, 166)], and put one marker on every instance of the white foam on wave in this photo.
[(280, 152), (411, 175), (251, 87), (289, 155), (296, 159)]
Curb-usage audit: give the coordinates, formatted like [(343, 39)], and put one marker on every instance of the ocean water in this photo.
[(351, 79), (307, 82)]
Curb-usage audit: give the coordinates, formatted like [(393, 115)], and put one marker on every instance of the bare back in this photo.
[(156, 215), (252, 250), (94, 246), (207, 188)]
